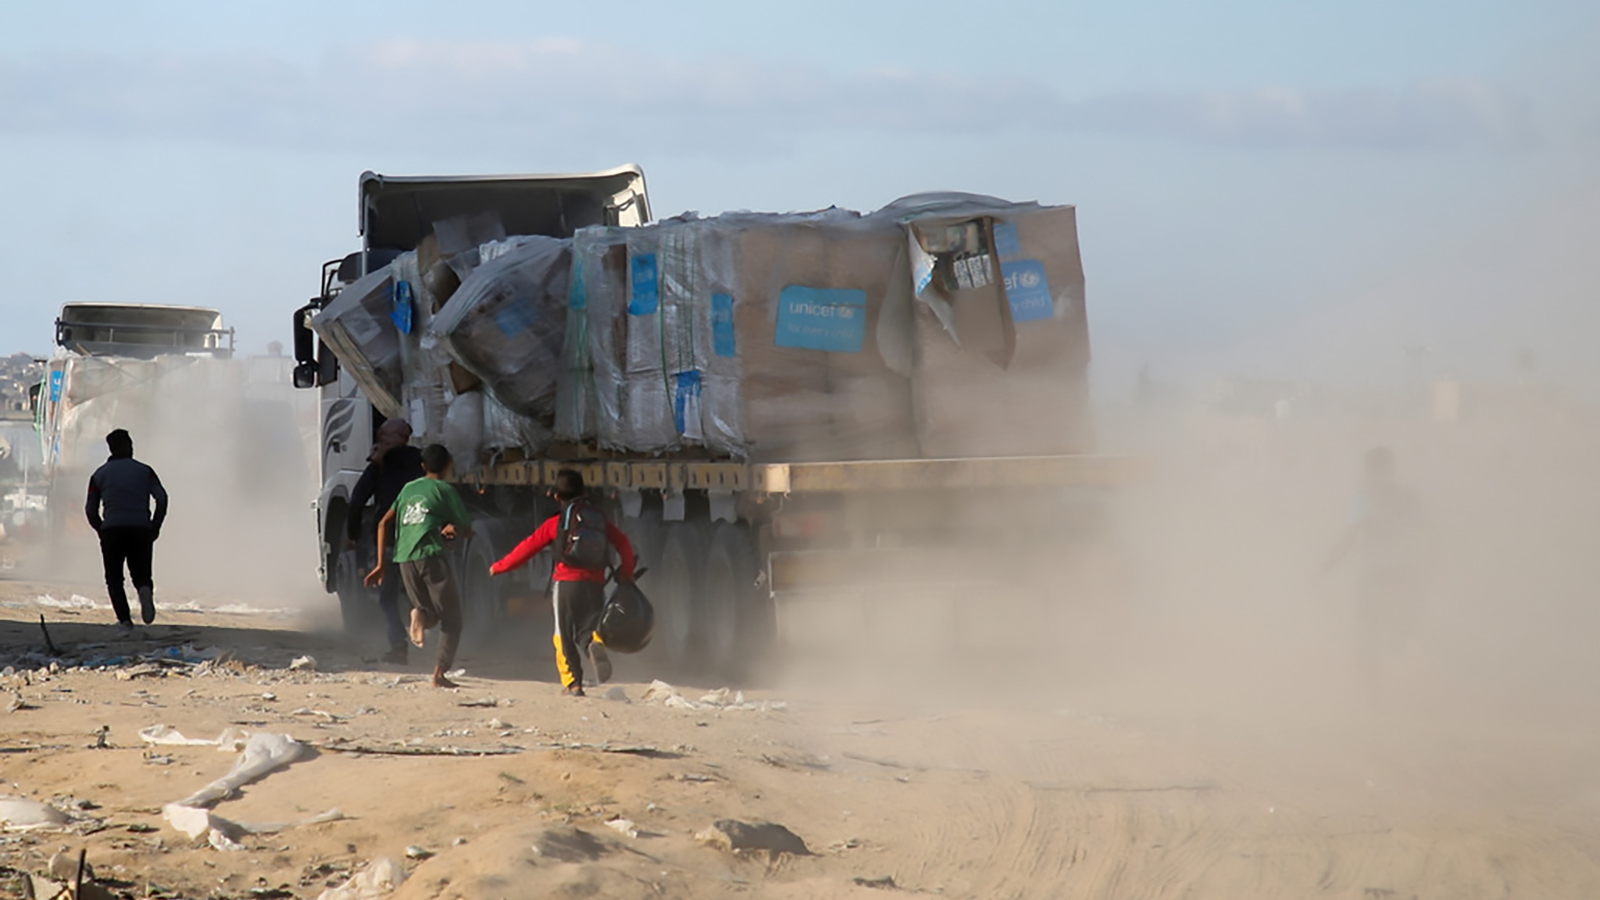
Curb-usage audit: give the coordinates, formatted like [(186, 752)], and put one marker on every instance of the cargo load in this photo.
[(943, 325), (1000, 326), (748, 335), (506, 321)]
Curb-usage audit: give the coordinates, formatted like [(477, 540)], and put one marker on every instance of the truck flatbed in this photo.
[(849, 476)]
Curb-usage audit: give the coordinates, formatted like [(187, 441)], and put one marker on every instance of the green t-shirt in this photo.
[(422, 508)]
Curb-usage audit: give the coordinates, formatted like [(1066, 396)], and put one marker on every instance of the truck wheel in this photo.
[(356, 607), (674, 588), (730, 588)]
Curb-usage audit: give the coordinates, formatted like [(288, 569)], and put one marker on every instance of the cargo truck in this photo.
[(225, 425), (733, 533)]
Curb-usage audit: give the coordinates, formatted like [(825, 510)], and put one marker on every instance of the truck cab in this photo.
[(394, 216)]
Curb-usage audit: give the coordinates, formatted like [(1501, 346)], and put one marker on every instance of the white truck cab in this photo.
[(394, 215)]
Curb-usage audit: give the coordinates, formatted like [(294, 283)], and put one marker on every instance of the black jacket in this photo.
[(381, 484), (119, 495)]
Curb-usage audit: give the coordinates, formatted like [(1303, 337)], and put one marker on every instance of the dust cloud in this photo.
[(1210, 589), (235, 446)]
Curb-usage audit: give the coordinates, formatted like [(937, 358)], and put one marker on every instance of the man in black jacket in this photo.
[(119, 511), (391, 465)]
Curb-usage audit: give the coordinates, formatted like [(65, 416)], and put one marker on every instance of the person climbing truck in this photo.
[(392, 464), (584, 538)]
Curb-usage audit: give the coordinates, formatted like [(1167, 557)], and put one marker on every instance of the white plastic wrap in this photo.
[(463, 430), (359, 327), (507, 321)]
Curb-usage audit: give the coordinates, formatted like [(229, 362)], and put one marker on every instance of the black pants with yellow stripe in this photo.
[(578, 605)]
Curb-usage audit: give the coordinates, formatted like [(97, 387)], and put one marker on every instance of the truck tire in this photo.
[(674, 586), (729, 597), (356, 607)]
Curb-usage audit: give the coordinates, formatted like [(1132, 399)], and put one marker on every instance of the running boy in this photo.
[(578, 589), (429, 512)]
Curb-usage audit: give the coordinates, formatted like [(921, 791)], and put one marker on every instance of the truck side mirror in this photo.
[(306, 369)]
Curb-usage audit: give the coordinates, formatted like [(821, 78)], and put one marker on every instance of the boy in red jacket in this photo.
[(578, 591)]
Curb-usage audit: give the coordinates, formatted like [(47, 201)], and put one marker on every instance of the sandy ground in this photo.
[(976, 774)]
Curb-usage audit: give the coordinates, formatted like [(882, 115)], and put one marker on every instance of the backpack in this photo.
[(583, 542)]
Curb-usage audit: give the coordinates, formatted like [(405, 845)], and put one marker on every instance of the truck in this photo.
[(731, 541), (225, 424)]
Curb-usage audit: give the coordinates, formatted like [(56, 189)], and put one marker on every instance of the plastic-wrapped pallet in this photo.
[(506, 322), (359, 325), (427, 394), (820, 346), (508, 435), (748, 335), (1000, 326), (625, 344)]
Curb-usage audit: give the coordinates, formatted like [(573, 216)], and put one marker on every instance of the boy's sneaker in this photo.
[(573, 690), (147, 604), (601, 660)]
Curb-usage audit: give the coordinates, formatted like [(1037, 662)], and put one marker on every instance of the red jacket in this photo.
[(547, 534)]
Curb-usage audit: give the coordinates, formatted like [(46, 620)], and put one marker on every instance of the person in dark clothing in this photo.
[(118, 508), (578, 594), (391, 465)]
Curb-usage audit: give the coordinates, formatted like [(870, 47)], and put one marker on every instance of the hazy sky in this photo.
[(1240, 169)]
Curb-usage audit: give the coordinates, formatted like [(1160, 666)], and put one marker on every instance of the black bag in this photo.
[(584, 543), (628, 620)]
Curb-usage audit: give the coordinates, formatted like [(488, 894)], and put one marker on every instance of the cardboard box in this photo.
[(1024, 390), (360, 327), (507, 321)]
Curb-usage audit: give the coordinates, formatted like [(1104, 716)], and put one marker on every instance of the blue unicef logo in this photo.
[(1028, 291)]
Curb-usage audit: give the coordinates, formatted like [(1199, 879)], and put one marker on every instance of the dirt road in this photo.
[(1103, 786)]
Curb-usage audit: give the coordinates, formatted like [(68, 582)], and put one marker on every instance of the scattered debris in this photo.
[(231, 739), (886, 882), (739, 837), (415, 852), (623, 826), (669, 696), (264, 751), (488, 702), (48, 644), (20, 813), (65, 865), (380, 877), (303, 662), (308, 711), (608, 747), (418, 750)]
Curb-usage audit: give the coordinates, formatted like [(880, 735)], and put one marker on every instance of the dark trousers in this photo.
[(130, 546), (578, 605), (433, 590)]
